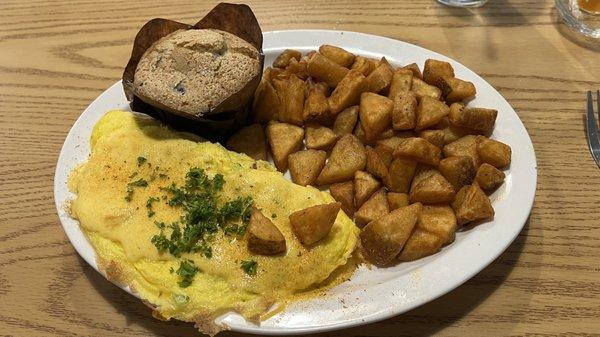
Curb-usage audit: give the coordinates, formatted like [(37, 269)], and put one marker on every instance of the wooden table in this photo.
[(57, 56)]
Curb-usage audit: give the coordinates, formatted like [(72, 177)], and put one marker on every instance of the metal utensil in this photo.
[(592, 126)]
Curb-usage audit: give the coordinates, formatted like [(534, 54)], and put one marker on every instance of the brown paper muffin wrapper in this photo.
[(220, 122)]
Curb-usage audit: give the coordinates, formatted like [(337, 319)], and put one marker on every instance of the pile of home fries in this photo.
[(398, 148)]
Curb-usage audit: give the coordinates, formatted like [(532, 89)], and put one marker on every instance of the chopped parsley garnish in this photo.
[(187, 270), (202, 217), (249, 267), (149, 203), (141, 161), (138, 183)]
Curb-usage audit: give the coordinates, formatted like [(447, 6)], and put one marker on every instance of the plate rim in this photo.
[(89, 257)]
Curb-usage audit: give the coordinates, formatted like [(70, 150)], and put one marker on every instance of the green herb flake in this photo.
[(133, 175), (139, 183), (273, 216), (187, 270), (249, 267), (141, 161)]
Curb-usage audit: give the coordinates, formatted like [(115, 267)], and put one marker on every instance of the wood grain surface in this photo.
[(57, 56)]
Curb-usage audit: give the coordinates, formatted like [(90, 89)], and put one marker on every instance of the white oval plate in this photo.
[(379, 293)]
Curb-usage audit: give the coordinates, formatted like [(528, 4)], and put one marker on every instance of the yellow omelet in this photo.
[(117, 221)]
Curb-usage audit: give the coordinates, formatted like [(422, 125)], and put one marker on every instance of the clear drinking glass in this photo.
[(583, 16), (463, 3)]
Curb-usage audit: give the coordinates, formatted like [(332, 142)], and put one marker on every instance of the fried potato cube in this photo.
[(314, 223), (453, 133), (337, 55), (477, 119), (399, 138), (316, 105), (419, 245), (423, 89), (284, 58), (401, 172), (284, 139), (325, 70), (264, 237), (348, 91), (436, 69), (363, 65), (348, 156), (364, 186), (372, 209), (435, 137), (359, 133), (458, 170), (434, 189), (298, 68), (397, 200), (375, 113), (415, 70), (465, 146), (375, 164), (471, 204), (380, 78), (404, 113), (249, 140), (291, 98), (306, 165), (265, 105), (420, 150), (494, 152), (385, 237), (455, 90), (385, 152), (430, 112), (344, 194), (488, 177), (440, 221), (346, 121), (320, 137), (401, 82)]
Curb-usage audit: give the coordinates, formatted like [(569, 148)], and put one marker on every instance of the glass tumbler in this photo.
[(582, 16), (463, 3)]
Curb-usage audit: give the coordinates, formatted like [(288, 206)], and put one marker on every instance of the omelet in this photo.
[(126, 203)]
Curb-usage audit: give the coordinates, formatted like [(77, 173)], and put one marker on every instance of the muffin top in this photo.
[(195, 70)]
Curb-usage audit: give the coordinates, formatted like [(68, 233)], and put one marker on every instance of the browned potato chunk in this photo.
[(384, 238), (399, 138), (316, 105), (479, 120), (284, 139), (249, 140), (363, 65), (346, 121), (455, 90), (320, 137), (458, 170), (472, 204), (440, 221), (344, 194), (386, 153), (488, 177), (387, 133), (435, 137), (420, 150), (306, 165), (465, 146), (453, 133), (419, 245), (380, 78), (284, 58), (430, 112), (372, 209), (375, 114), (266, 101), (375, 164), (404, 114), (291, 98), (359, 132), (348, 156), (401, 172), (423, 89), (337, 55), (364, 186), (401, 82), (325, 70), (434, 189), (494, 152), (314, 223), (263, 236), (348, 91), (415, 70), (298, 68), (435, 69), (397, 200)]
